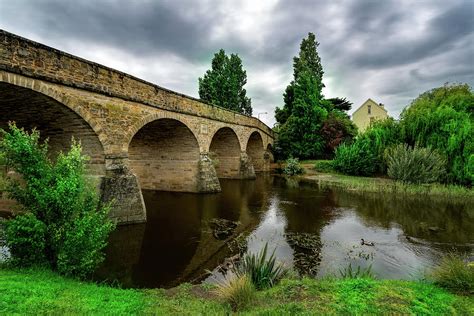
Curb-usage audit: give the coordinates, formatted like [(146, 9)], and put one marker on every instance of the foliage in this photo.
[(25, 238), (299, 136), (263, 272), (45, 292), (305, 109), (341, 104), (292, 167), (365, 156), (442, 119), (57, 195), (309, 125), (454, 274), (223, 84), (324, 166), (415, 165), (238, 292), (356, 159), (350, 273), (337, 129)]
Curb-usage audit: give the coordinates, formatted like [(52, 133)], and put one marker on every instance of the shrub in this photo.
[(25, 238), (337, 129), (238, 292), (414, 165), (350, 273), (75, 227), (324, 166), (292, 167), (454, 274), (356, 159), (263, 272)]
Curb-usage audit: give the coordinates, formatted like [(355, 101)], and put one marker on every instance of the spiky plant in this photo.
[(263, 272)]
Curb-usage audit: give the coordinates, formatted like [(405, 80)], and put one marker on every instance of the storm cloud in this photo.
[(389, 51)]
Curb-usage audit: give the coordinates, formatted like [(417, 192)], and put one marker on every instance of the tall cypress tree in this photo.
[(223, 84), (305, 108), (308, 60)]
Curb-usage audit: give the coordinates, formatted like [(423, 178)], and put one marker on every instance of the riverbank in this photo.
[(44, 292), (384, 185)]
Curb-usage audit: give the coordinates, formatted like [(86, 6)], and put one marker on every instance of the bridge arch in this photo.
[(31, 104), (164, 155), (225, 150), (256, 151)]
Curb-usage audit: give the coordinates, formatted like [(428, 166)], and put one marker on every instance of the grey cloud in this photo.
[(362, 46)]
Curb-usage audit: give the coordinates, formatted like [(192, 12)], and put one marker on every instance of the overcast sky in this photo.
[(389, 51)]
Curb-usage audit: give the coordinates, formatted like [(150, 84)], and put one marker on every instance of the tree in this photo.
[(305, 108), (299, 135), (443, 119), (64, 225), (340, 104), (223, 84), (337, 129), (308, 61)]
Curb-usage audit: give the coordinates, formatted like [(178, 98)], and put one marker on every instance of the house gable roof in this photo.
[(369, 100)]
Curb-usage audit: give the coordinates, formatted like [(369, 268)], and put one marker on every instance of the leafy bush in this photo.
[(324, 166), (415, 165), (356, 159), (292, 167), (238, 292), (337, 129), (454, 274), (25, 237), (75, 225), (443, 119), (264, 273)]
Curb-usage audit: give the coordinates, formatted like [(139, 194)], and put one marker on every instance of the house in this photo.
[(368, 112)]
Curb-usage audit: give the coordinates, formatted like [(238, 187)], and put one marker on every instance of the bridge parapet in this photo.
[(25, 57)]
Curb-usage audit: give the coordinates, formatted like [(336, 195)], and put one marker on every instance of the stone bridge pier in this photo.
[(137, 134)]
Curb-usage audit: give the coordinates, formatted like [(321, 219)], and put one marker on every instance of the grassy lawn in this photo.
[(44, 292), (383, 185)]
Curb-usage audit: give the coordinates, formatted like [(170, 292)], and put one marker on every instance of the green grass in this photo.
[(328, 178), (43, 292), (384, 185)]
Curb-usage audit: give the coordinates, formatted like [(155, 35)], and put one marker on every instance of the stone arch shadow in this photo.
[(55, 117), (164, 154), (225, 152)]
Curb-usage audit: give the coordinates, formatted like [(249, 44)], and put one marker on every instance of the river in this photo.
[(315, 232)]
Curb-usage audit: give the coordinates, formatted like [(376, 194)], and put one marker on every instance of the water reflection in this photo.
[(177, 244)]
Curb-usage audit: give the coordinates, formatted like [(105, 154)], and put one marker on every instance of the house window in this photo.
[(369, 109)]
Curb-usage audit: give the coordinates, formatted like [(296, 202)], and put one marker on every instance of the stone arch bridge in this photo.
[(137, 134)]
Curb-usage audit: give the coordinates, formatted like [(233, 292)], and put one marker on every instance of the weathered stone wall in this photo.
[(22, 56)]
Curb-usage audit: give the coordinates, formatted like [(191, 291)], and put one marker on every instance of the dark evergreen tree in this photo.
[(304, 108), (223, 84), (299, 136), (341, 104)]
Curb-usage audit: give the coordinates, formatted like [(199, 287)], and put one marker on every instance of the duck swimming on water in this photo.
[(366, 243)]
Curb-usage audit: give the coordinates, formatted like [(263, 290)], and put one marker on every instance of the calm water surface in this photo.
[(177, 243)]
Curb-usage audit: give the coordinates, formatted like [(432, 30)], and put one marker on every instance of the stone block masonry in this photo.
[(138, 135)]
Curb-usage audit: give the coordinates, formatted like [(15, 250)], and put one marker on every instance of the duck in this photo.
[(366, 243)]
